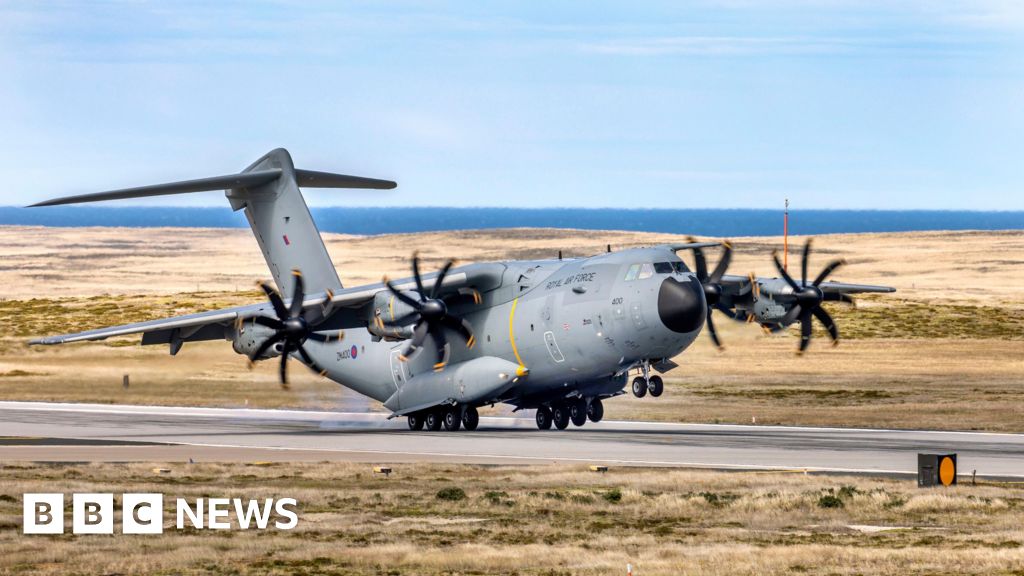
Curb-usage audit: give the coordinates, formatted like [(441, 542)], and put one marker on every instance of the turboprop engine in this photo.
[(247, 338)]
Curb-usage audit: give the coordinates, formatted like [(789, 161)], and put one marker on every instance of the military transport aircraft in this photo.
[(557, 336)]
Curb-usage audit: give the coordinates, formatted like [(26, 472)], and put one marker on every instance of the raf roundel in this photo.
[(354, 352)]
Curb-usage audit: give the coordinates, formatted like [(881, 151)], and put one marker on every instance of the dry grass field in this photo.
[(945, 351), (541, 520)]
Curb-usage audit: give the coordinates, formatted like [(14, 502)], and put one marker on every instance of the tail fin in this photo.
[(268, 191)]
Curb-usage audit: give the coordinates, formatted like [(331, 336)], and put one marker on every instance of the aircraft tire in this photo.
[(656, 386), (452, 419), (543, 418), (639, 387), (433, 420), (470, 418), (595, 411), (578, 411), (416, 421), (560, 416)]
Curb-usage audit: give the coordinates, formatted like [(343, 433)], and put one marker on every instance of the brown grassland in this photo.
[(435, 519), (945, 351)]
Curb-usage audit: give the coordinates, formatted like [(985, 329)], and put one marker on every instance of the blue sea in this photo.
[(369, 221)]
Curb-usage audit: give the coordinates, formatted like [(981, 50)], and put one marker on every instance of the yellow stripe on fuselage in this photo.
[(512, 332), (391, 308)]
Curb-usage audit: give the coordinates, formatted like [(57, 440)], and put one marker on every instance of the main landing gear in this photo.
[(451, 418), (647, 382), (574, 410)]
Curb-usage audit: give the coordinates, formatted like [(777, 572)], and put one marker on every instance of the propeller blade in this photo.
[(272, 323), (727, 311), (436, 288), (416, 276), (803, 263), (400, 295), (298, 295), (284, 365), (805, 332), (275, 300), (419, 334), (310, 362), (473, 293), (443, 349), (264, 347), (827, 270), (791, 316), (318, 337), (462, 328), (782, 271), (700, 262), (823, 316), (713, 333), (723, 264)]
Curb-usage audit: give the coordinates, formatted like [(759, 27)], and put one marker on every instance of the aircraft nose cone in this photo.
[(681, 305)]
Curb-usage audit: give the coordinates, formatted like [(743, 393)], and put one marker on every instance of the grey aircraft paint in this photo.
[(555, 335)]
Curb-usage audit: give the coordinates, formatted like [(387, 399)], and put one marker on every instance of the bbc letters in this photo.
[(143, 513)]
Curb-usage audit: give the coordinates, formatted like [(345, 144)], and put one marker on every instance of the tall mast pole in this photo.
[(785, 237)]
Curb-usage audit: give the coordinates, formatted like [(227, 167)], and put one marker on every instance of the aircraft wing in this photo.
[(212, 325), (734, 284)]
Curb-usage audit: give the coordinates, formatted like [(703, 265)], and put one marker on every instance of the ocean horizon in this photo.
[(697, 221)]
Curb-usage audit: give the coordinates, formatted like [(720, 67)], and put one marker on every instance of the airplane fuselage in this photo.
[(576, 326)]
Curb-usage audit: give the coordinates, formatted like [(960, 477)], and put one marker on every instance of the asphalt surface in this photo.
[(37, 431)]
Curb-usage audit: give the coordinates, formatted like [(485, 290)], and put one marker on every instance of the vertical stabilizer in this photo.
[(284, 228)]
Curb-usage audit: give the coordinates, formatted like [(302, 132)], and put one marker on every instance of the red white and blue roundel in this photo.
[(354, 352)]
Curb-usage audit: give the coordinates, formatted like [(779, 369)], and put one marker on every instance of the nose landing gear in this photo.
[(647, 382)]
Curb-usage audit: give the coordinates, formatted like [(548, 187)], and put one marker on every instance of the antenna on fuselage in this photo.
[(559, 254), (608, 248)]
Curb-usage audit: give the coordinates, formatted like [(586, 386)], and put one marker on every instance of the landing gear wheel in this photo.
[(560, 416), (639, 387), (433, 420), (578, 411), (544, 418), (415, 422), (470, 418), (596, 410), (452, 419), (656, 386)]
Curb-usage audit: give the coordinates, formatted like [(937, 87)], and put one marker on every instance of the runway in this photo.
[(38, 431)]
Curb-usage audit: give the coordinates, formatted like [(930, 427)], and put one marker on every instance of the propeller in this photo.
[(712, 284), (291, 328), (431, 316), (809, 297)]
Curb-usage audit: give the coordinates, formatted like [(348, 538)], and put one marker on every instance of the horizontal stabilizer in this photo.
[(304, 178), (242, 180), (314, 179)]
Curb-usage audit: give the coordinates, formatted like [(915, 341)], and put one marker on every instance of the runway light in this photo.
[(601, 469), (161, 470), (386, 471)]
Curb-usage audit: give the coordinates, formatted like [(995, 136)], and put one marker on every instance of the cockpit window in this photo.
[(646, 271), (633, 272), (663, 267), (680, 267)]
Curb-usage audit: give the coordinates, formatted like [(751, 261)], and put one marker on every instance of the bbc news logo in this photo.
[(144, 513)]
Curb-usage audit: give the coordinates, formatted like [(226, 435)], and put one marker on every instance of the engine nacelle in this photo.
[(250, 336), (386, 307)]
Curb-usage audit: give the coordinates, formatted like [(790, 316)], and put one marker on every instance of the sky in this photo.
[(705, 104)]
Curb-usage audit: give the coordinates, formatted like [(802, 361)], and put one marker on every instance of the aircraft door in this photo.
[(399, 374)]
